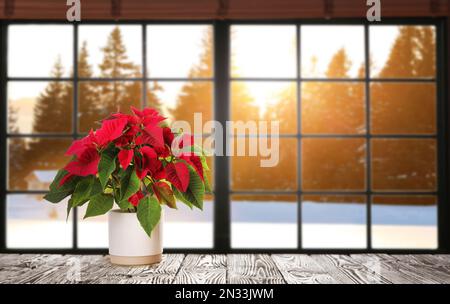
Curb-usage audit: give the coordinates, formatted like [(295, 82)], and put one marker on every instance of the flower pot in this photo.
[(128, 242)]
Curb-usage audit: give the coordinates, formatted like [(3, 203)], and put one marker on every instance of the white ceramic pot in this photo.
[(128, 242)]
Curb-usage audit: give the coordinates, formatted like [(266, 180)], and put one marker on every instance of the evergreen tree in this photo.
[(118, 95), (53, 112), (152, 97), (88, 95), (412, 54), (407, 108), (197, 96), (334, 107), (16, 150), (115, 62)]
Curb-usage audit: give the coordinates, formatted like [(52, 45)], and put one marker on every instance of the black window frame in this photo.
[(221, 110)]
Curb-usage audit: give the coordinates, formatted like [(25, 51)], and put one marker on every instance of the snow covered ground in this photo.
[(33, 222)]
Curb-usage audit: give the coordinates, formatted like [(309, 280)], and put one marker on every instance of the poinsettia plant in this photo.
[(136, 161)]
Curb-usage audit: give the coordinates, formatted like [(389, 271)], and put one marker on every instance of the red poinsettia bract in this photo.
[(140, 141), (135, 160)]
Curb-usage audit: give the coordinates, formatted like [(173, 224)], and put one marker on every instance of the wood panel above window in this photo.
[(217, 9)]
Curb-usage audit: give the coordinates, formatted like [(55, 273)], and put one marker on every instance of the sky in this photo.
[(257, 51)]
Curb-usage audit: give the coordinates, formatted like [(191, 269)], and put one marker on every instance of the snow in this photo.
[(35, 223), (45, 176)]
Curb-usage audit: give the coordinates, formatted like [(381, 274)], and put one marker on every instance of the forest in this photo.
[(332, 109)]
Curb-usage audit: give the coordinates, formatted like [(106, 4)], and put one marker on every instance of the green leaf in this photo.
[(179, 196), (149, 214), (164, 193), (204, 163), (124, 205), (96, 187), (206, 183), (195, 191), (58, 193), (85, 190), (69, 207), (99, 204), (205, 174), (59, 175), (106, 166), (129, 184)]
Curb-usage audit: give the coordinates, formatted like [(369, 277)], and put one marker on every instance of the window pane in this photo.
[(32, 222), (259, 102), (333, 221), (403, 108), (333, 164), (333, 108), (264, 221), (33, 163), (404, 164), (110, 51), (403, 51), (189, 228), (404, 222), (183, 227), (97, 100), (248, 173), (93, 231), (263, 51), (36, 50), (332, 51), (181, 100), (40, 107), (181, 51)]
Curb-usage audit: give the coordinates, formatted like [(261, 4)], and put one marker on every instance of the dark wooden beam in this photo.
[(218, 9), (116, 8), (222, 9), (328, 8), (9, 8)]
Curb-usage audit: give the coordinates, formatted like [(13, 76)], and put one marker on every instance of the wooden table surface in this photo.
[(231, 268)]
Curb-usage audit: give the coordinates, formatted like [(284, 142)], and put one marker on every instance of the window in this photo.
[(53, 99), (361, 148)]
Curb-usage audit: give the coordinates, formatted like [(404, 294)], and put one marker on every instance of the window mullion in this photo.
[(299, 140), (368, 138), (221, 112), (3, 132), (75, 124), (144, 66)]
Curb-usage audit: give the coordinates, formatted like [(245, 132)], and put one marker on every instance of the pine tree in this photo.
[(152, 97), (412, 55), (407, 108), (115, 62), (118, 95), (53, 112), (16, 150), (196, 97), (88, 95), (334, 107)]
